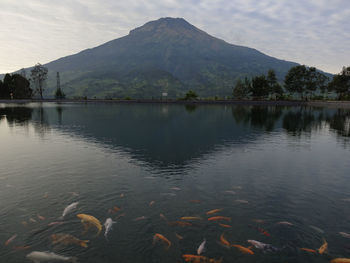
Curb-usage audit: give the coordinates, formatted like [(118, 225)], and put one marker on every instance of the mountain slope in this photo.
[(169, 55)]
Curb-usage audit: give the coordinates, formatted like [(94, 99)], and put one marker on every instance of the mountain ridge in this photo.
[(165, 55)]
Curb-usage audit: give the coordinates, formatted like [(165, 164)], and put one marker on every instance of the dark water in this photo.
[(270, 164)]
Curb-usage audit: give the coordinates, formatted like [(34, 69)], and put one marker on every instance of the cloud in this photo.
[(312, 32)]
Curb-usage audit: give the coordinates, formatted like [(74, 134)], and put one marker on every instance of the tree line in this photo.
[(304, 82)]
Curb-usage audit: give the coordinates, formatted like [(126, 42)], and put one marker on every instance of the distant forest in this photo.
[(306, 83)]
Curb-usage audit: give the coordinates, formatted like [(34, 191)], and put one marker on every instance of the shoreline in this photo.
[(332, 104)]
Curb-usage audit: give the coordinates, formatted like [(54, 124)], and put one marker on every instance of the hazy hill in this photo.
[(166, 55)]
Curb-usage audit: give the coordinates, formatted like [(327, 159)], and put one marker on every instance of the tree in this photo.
[(7, 87), (341, 85), (260, 87), (21, 87), (241, 89), (295, 80), (190, 95), (38, 76), (59, 94), (275, 88)]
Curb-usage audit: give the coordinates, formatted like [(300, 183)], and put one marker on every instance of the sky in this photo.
[(311, 32)]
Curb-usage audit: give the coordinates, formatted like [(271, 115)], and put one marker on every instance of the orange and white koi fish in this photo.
[(216, 218), (179, 223), (87, 220), (190, 218), (10, 239), (151, 203), (244, 250), (214, 211), (158, 237), (224, 225), (323, 248), (308, 250), (200, 259), (224, 242), (340, 260)]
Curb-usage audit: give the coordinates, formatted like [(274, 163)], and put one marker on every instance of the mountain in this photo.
[(166, 55)]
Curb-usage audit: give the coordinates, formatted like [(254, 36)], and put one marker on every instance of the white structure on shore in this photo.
[(345, 71)]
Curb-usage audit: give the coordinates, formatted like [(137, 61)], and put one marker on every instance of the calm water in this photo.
[(261, 165)]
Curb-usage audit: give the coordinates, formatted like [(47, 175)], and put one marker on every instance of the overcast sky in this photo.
[(311, 32)]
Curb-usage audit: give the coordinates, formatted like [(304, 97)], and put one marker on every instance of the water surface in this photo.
[(261, 165)]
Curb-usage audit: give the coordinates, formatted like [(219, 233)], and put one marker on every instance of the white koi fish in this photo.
[(69, 209), (343, 234), (38, 257), (201, 247), (108, 225), (262, 246)]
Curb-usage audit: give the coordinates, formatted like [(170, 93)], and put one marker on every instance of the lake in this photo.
[(278, 175)]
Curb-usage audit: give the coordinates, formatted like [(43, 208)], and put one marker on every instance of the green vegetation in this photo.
[(15, 86), (190, 95), (59, 94), (38, 76)]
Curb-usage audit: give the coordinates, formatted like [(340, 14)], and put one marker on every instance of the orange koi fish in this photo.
[(244, 249), (323, 248), (190, 218), (340, 260), (157, 237), (308, 250), (224, 242), (10, 239), (200, 259), (223, 225), (214, 211), (179, 223), (215, 218), (195, 201)]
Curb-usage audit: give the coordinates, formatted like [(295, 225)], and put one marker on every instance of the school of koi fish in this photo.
[(160, 241)]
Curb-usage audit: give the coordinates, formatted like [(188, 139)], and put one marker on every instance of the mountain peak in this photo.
[(165, 24)]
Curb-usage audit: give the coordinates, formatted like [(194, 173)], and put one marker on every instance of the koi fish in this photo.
[(175, 188), (259, 221), (122, 195), (54, 223), (69, 209), (201, 247), (244, 250), (139, 218), (214, 211), (230, 192), (194, 201), (67, 239), (190, 218), (21, 247), (262, 231), (308, 250), (108, 225), (157, 237), (286, 223), (87, 220), (119, 216), (215, 218), (151, 203), (226, 226), (265, 247), (24, 223), (115, 209), (179, 223), (224, 242), (168, 194), (323, 248), (10, 239), (41, 217), (162, 216), (200, 259), (178, 236), (46, 195), (38, 257), (319, 230), (237, 187), (32, 220), (340, 260), (343, 234), (240, 201)]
